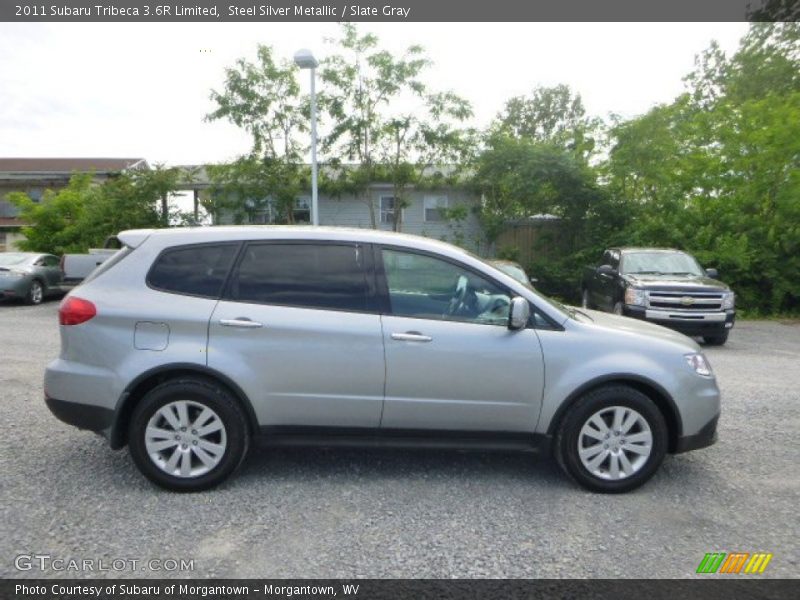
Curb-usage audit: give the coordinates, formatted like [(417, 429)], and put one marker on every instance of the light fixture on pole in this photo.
[(305, 60)]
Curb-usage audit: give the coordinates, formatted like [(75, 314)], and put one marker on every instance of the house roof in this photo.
[(21, 167)]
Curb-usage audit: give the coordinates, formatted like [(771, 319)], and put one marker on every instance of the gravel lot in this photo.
[(387, 513)]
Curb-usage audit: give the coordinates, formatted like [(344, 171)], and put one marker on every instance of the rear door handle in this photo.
[(411, 336), (242, 322)]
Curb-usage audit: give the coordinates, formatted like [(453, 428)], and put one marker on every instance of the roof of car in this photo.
[(189, 235), (626, 249)]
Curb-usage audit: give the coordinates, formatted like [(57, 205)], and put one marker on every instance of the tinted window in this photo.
[(51, 261), (429, 288), (322, 276), (193, 270)]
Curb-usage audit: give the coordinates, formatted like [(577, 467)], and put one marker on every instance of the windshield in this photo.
[(514, 271), (9, 259), (660, 263)]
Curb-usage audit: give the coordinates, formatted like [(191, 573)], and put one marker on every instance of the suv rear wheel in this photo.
[(188, 435), (612, 440)]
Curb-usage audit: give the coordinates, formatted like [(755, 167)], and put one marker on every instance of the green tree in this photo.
[(717, 172), (260, 182), (369, 139), (263, 98), (551, 115), (519, 177), (84, 213)]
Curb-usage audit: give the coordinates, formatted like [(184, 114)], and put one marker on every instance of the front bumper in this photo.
[(82, 416), (707, 436), (688, 323)]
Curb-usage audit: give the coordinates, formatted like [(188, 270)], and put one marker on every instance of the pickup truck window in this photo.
[(660, 263)]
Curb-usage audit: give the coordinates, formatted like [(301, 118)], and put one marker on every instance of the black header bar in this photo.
[(277, 11)]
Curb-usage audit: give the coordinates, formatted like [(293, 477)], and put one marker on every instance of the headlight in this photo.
[(699, 364), (728, 300), (635, 296)]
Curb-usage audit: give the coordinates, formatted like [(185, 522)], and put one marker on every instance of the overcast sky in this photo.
[(141, 90)]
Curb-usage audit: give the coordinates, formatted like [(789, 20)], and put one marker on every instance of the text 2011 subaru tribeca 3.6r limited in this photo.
[(189, 342)]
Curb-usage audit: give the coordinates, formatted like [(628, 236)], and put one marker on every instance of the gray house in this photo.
[(423, 215)]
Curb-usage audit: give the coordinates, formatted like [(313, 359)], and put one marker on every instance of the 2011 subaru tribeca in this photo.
[(189, 342)]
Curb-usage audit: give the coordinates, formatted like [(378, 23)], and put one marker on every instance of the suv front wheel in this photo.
[(188, 435), (612, 440)]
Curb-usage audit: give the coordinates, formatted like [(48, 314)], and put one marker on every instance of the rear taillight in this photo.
[(74, 311)]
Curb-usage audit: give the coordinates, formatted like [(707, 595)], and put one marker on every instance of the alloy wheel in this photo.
[(614, 443), (185, 439), (37, 293)]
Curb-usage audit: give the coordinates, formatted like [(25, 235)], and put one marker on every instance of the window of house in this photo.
[(193, 270), (262, 217), (433, 208), (388, 206), (35, 194), (322, 276), (302, 210)]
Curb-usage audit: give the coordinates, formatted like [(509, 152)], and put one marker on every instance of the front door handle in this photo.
[(242, 322), (411, 336)]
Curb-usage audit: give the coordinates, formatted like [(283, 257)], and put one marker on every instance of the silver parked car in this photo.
[(29, 276), (189, 342)]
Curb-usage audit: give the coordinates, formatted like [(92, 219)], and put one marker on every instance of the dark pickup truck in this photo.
[(667, 287)]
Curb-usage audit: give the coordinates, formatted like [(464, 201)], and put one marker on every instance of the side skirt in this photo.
[(282, 436)]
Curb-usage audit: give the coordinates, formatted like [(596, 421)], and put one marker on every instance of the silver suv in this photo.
[(189, 342)]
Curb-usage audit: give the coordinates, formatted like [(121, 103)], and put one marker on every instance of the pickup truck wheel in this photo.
[(585, 303), (188, 435), (716, 340), (35, 293), (612, 440), (617, 310)]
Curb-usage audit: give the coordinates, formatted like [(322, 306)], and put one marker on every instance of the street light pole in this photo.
[(305, 60), (314, 198)]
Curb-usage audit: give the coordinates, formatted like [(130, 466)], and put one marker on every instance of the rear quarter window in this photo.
[(193, 270)]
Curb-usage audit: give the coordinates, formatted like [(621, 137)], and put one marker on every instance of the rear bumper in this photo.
[(82, 416), (687, 323), (707, 436)]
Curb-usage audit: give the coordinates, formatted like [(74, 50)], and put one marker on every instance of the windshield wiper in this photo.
[(647, 273)]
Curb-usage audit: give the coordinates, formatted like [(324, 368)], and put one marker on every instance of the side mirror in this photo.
[(712, 273), (606, 270), (519, 314)]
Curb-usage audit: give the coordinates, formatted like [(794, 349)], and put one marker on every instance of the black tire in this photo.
[(202, 392), (33, 298), (567, 437), (716, 340)]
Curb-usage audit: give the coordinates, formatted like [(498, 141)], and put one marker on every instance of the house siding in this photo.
[(351, 211)]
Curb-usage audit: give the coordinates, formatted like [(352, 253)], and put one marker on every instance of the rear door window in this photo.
[(322, 276), (193, 270)]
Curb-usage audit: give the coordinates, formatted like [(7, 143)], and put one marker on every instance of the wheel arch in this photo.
[(145, 382), (660, 397)]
